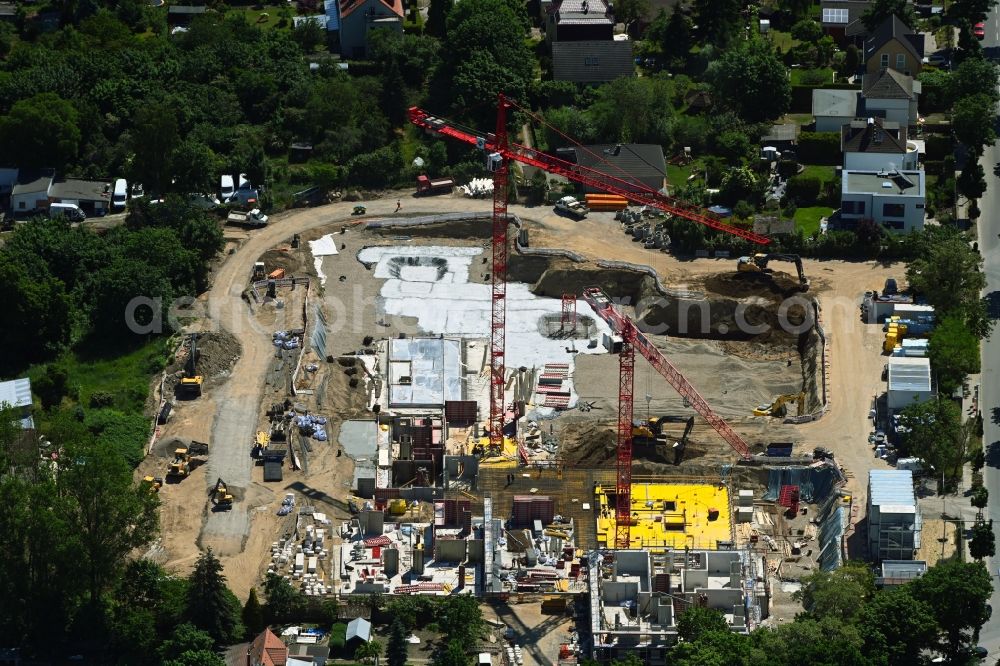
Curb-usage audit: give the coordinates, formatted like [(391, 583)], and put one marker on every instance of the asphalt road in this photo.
[(989, 246)]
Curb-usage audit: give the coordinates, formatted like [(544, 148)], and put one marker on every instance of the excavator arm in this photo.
[(792, 258)]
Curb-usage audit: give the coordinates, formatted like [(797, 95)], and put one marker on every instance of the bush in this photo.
[(819, 147), (815, 77), (100, 399), (938, 146), (804, 190), (338, 635)]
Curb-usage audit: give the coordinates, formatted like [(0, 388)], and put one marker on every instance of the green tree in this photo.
[(840, 594), (972, 76), (970, 10), (631, 11), (437, 17), (980, 497), (113, 514), (184, 638), (51, 386), (282, 599), (393, 98), (752, 81), (947, 272), (895, 624), (41, 131), (880, 10), (253, 615), (195, 167), (983, 542), (451, 654), (954, 353), (826, 642), (719, 21), (672, 33), (971, 183), (630, 109), (154, 136), (197, 658), (937, 434), (309, 35), (971, 120), (807, 30), (398, 648), (211, 605), (956, 592), (697, 621), (368, 652), (797, 8)]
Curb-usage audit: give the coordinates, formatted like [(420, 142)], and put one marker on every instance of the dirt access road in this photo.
[(238, 403)]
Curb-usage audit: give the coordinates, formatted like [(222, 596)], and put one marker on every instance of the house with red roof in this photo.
[(267, 650), (358, 18)]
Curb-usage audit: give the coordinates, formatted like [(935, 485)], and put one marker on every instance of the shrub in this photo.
[(819, 147), (100, 399), (804, 190)]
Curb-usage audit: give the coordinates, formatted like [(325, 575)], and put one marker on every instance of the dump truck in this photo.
[(426, 186), (570, 206), (758, 264), (181, 465), (191, 381), (250, 218)]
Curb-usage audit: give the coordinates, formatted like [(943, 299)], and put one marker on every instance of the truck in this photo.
[(570, 206), (426, 186), (252, 218)]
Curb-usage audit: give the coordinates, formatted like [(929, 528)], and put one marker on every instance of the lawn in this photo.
[(258, 18), (782, 40), (825, 174), (807, 219), (124, 373), (678, 174), (798, 75)]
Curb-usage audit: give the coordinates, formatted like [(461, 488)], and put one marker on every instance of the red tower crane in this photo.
[(499, 152)]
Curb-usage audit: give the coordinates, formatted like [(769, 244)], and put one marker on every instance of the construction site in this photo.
[(520, 406)]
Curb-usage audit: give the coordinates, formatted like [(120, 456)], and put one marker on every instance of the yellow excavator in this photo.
[(221, 497), (779, 406), (191, 382), (758, 264)]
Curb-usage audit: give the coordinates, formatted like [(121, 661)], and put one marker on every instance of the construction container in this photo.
[(744, 514), (311, 565), (300, 561), (745, 498)]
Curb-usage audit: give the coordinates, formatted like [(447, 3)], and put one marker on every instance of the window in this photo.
[(893, 224), (590, 61), (853, 208), (901, 61), (885, 60), (893, 210), (20, 205), (831, 15)]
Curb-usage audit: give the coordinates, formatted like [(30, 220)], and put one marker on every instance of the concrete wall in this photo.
[(449, 550), (632, 563), (616, 591)]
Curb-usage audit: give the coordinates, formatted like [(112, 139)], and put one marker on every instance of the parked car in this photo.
[(937, 59), (979, 30), (120, 196), (226, 188)]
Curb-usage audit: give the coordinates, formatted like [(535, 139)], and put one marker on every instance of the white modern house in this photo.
[(894, 199), (874, 144)]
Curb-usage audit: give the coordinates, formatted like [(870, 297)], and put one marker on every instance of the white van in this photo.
[(226, 188), (70, 211), (244, 182), (120, 196)]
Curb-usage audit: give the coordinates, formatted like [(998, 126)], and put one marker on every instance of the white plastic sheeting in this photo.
[(322, 247)]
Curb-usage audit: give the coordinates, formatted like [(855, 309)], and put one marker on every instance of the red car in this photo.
[(979, 30)]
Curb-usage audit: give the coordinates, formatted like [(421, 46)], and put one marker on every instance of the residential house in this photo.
[(182, 15), (894, 44), (8, 11), (841, 19), (834, 107), (267, 650), (359, 17), (34, 189), (584, 46), (641, 163), (30, 192), (875, 145), (893, 96), (893, 199)]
